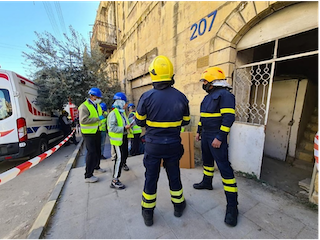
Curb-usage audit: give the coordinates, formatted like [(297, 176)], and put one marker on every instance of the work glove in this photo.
[(101, 117)]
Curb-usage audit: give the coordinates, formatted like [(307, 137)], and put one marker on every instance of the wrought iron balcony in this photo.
[(105, 36)]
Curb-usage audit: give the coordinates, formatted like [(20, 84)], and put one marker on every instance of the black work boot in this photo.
[(178, 209), (206, 183), (231, 216), (147, 217)]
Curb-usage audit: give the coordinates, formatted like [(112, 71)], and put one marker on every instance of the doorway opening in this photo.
[(276, 85)]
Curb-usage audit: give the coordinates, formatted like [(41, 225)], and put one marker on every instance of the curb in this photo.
[(39, 225)]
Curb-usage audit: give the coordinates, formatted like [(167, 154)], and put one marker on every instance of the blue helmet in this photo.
[(120, 96), (103, 106), (131, 105), (96, 92)]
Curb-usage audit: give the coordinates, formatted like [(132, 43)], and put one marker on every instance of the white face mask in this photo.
[(97, 101)]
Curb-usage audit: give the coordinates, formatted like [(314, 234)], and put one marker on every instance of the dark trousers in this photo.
[(66, 131), (121, 157), (220, 155), (135, 146), (93, 145), (171, 154)]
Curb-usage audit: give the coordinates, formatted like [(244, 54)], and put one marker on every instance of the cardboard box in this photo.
[(187, 159)]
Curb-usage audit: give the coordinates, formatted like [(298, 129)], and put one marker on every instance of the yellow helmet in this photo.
[(161, 69), (213, 73)]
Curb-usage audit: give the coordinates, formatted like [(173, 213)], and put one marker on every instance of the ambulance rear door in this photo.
[(8, 110)]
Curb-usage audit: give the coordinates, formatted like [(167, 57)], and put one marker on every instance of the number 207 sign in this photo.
[(201, 27)]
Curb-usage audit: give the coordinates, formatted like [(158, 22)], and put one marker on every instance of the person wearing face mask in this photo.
[(119, 130), (217, 114), (90, 117)]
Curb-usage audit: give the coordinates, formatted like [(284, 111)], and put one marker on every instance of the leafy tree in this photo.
[(67, 70)]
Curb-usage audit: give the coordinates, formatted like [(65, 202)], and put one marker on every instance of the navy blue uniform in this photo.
[(217, 114), (162, 112)]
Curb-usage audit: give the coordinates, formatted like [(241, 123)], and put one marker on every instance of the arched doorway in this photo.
[(275, 83)]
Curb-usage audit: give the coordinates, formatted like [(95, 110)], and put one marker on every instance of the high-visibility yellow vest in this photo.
[(103, 123), (91, 128), (130, 133), (136, 129), (116, 139)]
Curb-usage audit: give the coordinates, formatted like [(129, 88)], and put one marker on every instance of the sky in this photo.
[(19, 21)]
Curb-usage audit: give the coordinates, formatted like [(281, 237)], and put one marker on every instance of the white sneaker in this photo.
[(117, 184), (100, 170), (91, 179)]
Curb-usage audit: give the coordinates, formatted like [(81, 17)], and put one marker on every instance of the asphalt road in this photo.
[(22, 198)]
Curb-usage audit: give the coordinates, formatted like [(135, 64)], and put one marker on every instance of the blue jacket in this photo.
[(217, 113), (163, 112)]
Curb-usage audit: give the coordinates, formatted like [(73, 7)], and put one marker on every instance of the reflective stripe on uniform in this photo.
[(203, 114), (224, 128), (208, 171), (148, 200), (163, 124), (136, 129), (144, 117), (230, 185), (227, 110), (148, 205), (176, 200), (186, 118), (176, 193), (229, 181), (230, 189), (88, 127), (177, 196), (115, 138), (149, 196)]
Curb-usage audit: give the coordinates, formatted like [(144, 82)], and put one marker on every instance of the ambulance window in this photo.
[(5, 104)]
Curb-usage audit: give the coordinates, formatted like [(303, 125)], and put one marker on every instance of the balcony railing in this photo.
[(105, 36)]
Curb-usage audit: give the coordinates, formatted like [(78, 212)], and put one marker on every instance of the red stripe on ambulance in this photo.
[(2, 134), (2, 75)]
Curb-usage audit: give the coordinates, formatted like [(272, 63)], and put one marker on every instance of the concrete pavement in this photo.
[(94, 210)]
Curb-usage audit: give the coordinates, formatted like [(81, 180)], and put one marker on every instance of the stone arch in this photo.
[(236, 25)]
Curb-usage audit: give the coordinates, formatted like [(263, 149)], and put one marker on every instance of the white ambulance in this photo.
[(24, 129)]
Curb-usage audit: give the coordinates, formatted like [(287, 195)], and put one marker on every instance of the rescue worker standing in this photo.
[(119, 131), (90, 115), (65, 124), (135, 143), (217, 114), (162, 110)]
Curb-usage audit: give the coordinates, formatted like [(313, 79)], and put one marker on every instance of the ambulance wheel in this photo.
[(43, 145)]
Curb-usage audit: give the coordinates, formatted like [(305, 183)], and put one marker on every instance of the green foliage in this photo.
[(67, 70), (252, 176)]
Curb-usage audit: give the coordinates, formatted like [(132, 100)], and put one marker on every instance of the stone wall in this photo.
[(194, 35), (314, 197)]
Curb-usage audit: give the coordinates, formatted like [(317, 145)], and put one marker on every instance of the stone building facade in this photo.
[(268, 50)]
